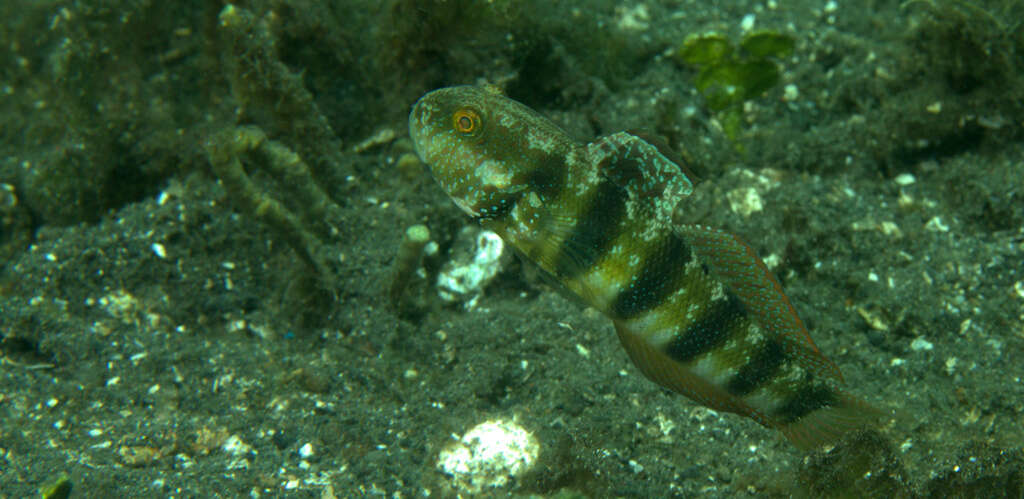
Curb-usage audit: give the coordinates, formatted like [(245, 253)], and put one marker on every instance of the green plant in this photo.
[(730, 75)]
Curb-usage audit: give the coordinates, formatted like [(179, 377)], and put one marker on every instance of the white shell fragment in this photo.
[(488, 456), (744, 201), (904, 179), (159, 250), (476, 259)]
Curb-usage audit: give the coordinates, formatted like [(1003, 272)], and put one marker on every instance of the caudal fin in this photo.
[(827, 424)]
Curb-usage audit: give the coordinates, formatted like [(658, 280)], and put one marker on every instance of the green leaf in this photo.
[(757, 77), (732, 124), (721, 85), (768, 44), (733, 82), (707, 48)]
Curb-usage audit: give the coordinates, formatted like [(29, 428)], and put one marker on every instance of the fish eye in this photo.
[(466, 121)]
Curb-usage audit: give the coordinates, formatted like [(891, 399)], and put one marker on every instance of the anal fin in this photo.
[(661, 369), (824, 425)]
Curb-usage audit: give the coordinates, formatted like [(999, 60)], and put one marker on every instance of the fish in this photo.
[(695, 308)]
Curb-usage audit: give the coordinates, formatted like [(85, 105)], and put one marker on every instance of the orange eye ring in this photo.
[(466, 121)]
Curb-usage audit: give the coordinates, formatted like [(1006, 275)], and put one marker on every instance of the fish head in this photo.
[(481, 146)]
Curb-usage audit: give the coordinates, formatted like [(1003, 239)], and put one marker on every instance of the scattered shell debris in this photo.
[(886, 227), (744, 201), (935, 224), (904, 179), (921, 344), (873, 319), (636, 18), (476, 259), (747, 200), (489, 455), (381, 137)]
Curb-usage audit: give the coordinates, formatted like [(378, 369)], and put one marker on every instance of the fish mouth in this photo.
[(419, 115), (421, 126), (417, 126)]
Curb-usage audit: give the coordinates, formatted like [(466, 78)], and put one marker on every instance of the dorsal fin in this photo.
[(686, 163), (734, 262), (651, 180)]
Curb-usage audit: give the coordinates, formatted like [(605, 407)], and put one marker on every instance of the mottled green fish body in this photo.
[(695, 308)]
